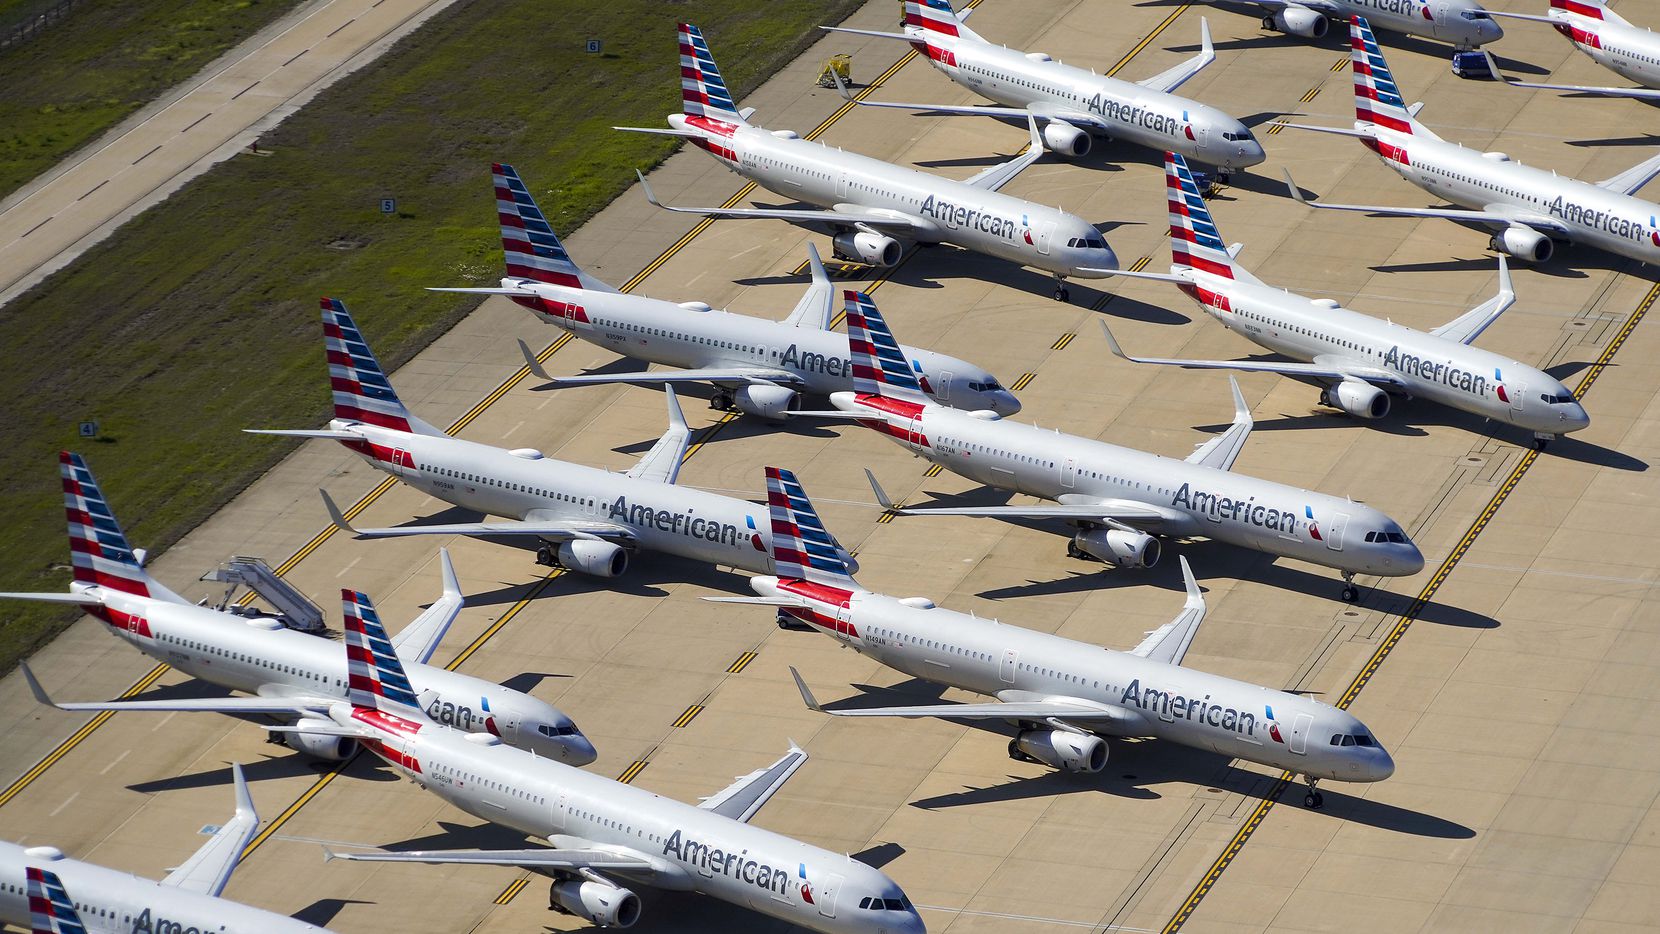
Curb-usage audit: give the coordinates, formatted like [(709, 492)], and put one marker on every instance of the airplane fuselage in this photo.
[(1454, 374), (1624, 49), (690, 849), (1463, 23), (258, 655), (936, 210), (113, 902), (1169, 702), (1196, 501)]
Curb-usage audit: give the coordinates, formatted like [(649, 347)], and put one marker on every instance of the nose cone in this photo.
[(1488, 30), (577, 750), (1252, 154), (1100, 258), (1383, 765), (1409, 559), (1576, 417), (1004, 403)]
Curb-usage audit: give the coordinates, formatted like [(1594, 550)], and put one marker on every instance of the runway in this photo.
[(1514, 679)]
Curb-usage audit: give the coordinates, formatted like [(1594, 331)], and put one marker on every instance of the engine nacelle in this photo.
[(1064, 139), (1063, 749), (1360, 399), (609, 906), (771, 402), (1119, 548), (319, 745), (1524, 243), (1299, 21), (868, 248), (594, 558)]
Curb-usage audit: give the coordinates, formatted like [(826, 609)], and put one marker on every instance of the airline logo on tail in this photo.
[(1592, 10), (1194, 239), (532, 249), (703, 92), (373, 672), (362, 392), (50, 909), (932, 19), (98, 549), (806, 557), (1377, 99)]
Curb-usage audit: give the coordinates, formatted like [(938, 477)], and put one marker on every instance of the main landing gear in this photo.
[(546, 555), (1313, 800), (1351, 593), (721, 401)]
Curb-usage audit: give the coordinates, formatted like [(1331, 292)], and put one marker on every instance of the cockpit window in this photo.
[(546, 730), (884, 904), (1240, 137), (1475, 14), (1361, 739), (987, 386), (1352, 739), (1562, 399), (1398, 538)]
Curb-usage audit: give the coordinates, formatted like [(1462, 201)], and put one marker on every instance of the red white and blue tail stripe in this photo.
[(879, 365), (1194, 239), (50, 909), (703, 92), (532, 249), (374, 674), (1590, 9), (98, 548), (362, 392), (1377, 99), (934, 19), (803, 549)]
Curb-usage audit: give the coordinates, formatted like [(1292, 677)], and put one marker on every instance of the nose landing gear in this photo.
[(1540, 439), (1313, 800), (1351, 593), (1061, 294)]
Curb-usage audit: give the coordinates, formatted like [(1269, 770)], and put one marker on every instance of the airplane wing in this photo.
[(1077, 117), (662, 462), (1489, 216), (532, 858), (552, 528), (296, 704), (797, 215), (730, 374), (1493, 68), (999, 175), (420, 639), (1104, 511), (1627, 182), (817, 307), (209, 868), (1221, 451), (1337, 369), (1174, 78), (1169, 642), (1058, 708), (1321, 6), (1468, 326), (741, 799)]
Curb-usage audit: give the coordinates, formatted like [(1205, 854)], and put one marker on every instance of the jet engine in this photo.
[(1119, 548), (868, 248), (1299, 21), (1061, 749), (1524, 243), (609, 906), (319, 745), (1064, 139), (595, 558), (1360, 399), (770, 401)]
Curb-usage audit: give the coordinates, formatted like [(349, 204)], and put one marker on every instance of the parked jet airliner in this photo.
[(258, 655), (1463, 23), (1526, 207), (876, 208), (1118, 497), (1357, 359), (46, 892), (1072, 102), (1065, 695), (604, 833), (1606, 38), (588, 520), (758, 366)]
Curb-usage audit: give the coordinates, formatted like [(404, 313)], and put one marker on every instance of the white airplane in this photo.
[(1072, 102), (1065, 696), (1119, 498), (1606, 38), (758, 366), (256, 654), (603, 833), (1526, 207), (1462, 23), (876, 208), (46, 892), (588, 520), (1358, 360)]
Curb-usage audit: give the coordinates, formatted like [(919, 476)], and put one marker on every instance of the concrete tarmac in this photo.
[(1514, 679)]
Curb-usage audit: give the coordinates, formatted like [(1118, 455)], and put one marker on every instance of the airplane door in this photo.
[(1069, 472), (1334, 534), (402, 463), (1043, 237), (559, 809), (824, 895), (841, 185), (1006, 670), (1517, 392), (1300, 726), (1444, 20), (942, 389)]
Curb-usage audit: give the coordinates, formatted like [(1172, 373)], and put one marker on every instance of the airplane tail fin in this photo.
[(802, 548), (362, 392), (528, 243), (1590, 9), (51, 910), (934, 19), (98, 548), (375, 678), (879, 366), (1377, 99), (1194, 240), (703, 92)]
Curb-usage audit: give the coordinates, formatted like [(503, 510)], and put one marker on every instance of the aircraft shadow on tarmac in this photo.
[(286, 764), (1647, 139), (323, 911)]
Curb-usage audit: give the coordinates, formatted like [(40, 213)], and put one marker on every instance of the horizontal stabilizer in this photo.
[(306, 433), (83, 599)]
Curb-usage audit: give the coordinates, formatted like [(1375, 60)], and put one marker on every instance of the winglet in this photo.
[(452, 585), (841, 86), (677, 418), (329, 855), (244, 800), (1037, 138), (1195, 598), (1206, 50), (1296, 193), (881, 494), (1112, 342), (806, 695), (645, 186), (335, 515), (1241, 411), (532, 364)]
